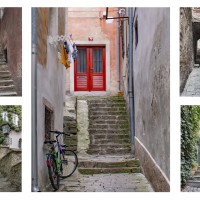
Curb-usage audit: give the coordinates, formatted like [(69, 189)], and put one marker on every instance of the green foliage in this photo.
[(11, 110), (190, 125)]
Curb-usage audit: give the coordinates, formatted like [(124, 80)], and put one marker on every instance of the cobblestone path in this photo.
[(192, 86), (134, 182), (6, 186)]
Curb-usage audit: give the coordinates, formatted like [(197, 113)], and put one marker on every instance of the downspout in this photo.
[(34, 103), (118, 44), (131, 81)]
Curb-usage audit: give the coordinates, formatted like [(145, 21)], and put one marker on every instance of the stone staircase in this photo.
[(10, 170), (7, 87), (195, 181), (108, 126), (109, 149)]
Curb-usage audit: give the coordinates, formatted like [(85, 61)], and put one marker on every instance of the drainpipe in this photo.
[(131, 81), (34, 102), (118, 44)]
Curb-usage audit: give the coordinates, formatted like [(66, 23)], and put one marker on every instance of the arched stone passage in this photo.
[(196, 42)]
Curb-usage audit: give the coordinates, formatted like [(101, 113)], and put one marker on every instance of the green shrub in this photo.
[(190, 117)]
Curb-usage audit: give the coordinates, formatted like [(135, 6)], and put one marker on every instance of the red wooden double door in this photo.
[(90, 69)]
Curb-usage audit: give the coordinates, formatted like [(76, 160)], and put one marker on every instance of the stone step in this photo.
[(107, 105), (104, 164), (108, 131), (101, 121), (5, 75), (109, 137), (6, 82), (118, 151), (8, 88), (8, 93), (108, 117), (5, 72), (109, 170), (109, 126), (193, 183), (108, 109), (109, 146), (111, 141), (196, 177), (108, 113)]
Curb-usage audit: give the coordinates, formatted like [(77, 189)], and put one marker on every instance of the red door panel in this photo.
[(90, 69)]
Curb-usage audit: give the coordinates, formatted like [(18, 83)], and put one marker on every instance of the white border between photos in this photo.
[(175, 99)]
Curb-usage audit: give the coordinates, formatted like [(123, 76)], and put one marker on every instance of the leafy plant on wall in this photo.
[(190, 120), (10, 110)]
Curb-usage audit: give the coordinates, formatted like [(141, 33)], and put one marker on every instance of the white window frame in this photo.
[(15, 120), (4, 116)]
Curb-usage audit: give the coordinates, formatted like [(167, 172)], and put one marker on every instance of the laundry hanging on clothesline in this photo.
[(68, 53)]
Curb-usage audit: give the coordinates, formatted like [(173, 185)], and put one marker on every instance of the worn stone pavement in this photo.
[(191, 189), (6, 186), (104, 183), (192, 86)]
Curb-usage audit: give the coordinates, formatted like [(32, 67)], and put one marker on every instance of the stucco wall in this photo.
[(11, 32), (87, 22), (50, 84), (151, 63), (186, 46)]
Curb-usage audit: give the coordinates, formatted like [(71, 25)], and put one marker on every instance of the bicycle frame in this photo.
[(57, 154)]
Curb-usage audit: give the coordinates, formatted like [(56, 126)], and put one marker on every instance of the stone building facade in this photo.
[(11, 41)]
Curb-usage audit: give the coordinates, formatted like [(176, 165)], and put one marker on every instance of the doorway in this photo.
[(90, 69)]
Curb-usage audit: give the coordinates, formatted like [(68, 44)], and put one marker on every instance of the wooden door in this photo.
[(90, 69)]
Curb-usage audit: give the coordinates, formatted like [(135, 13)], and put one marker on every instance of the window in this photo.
[(4, 116), (48, 122), (15, 119)]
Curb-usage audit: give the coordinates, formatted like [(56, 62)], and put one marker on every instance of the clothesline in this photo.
[(66, 48)]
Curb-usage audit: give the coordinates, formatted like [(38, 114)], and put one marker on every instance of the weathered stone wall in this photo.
[(186, 46), (83, 124), (10, 165), (11, 32), (70, 123)]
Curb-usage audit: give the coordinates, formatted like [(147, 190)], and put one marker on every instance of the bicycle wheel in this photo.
[(69, 162), (53, 173)]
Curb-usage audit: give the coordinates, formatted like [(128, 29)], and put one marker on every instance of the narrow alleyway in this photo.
[(7, 87), (105, 161), (193, 185), (192, 86), (6, 186)]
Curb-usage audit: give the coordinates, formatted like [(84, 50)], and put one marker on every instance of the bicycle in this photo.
[(62, 162)]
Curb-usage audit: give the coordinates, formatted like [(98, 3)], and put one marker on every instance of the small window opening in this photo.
[(48, 122)]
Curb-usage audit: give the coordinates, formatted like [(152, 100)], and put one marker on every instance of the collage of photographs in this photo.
[(101, 97)]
